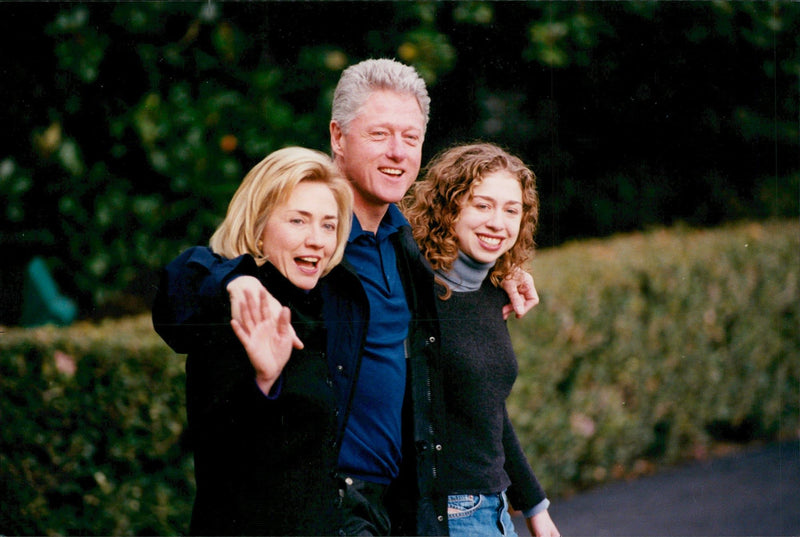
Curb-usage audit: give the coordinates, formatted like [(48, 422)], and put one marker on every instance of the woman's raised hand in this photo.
[(265, 330)]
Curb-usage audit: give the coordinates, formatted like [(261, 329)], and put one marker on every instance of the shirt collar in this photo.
[(391, 222)]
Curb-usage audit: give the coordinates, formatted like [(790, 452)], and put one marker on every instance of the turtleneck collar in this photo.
[(466, 274), (281, 287)]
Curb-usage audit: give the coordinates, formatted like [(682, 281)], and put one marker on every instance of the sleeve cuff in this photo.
[(275, 391), (536, 509)]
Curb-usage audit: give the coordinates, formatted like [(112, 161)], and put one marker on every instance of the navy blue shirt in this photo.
[(371, 448)]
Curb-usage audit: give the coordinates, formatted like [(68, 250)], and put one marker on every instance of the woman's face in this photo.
[(300, 235), (489, 221)]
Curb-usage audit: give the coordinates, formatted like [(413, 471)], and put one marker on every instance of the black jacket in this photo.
[(417, 504), (263, 465)]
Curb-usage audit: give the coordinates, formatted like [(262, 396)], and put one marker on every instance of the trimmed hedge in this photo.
[(92, 420), (645, 348), (651, 347)]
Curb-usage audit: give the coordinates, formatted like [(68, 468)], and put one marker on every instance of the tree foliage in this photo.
[(129, 125)]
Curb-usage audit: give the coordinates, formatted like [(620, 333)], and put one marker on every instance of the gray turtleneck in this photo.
[(466, 274)]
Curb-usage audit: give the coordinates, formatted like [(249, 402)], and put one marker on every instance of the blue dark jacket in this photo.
[(195, 283), (263, 465)]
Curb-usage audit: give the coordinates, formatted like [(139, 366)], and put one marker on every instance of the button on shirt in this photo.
[(371, 447)]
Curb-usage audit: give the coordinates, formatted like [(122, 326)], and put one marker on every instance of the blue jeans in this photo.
[(479, 515)]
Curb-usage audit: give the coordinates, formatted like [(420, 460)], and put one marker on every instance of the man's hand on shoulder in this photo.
[(246, 292), (521, 293)]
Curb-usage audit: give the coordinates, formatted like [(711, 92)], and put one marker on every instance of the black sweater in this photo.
[(482, 454)]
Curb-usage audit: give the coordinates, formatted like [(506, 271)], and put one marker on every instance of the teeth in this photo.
[(312, 260), (392, 171), (494, 241)]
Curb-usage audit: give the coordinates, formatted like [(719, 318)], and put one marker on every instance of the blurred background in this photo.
[(128, 126), (665, 137)]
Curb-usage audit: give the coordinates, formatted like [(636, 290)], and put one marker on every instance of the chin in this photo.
[(306, 284)]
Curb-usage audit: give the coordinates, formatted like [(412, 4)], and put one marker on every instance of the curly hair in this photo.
[(433, 204)]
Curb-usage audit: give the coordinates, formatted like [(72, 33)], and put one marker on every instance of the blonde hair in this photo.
[(433, 205), (271, 183)]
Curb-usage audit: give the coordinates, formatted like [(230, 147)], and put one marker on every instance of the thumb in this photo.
[(287, 329)]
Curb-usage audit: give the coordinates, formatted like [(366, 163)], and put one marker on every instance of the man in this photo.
[(388, 456)]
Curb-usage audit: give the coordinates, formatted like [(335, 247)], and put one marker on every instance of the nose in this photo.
[(396, 149), (314, 237), (495, 220)]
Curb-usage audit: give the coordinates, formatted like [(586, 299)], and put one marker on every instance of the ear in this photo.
[(337, 139)]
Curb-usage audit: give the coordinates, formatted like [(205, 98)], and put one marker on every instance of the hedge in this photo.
[(646, 348), (91, 438), (655, 347)]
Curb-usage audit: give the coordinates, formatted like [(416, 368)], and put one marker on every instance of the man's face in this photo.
[(382, 150)]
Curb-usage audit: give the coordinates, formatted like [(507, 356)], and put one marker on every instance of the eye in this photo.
[(412, 139), (296, 220), (513, 211), (329, 226)]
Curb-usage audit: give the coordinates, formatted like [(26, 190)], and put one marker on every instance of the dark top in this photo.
[(482, 454), (265, 465), (194, 284)]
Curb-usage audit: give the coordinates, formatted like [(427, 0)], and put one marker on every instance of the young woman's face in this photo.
[(300, 235), (489, 221)]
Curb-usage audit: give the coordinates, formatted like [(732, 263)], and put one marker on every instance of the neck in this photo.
[(369, 215), (466, 274)]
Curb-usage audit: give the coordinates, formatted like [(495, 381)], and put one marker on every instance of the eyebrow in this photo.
[(394, 126), (308, 213), (489, 198)]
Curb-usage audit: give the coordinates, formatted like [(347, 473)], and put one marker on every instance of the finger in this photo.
[(239, 331), (263, 302), (248, 316), (236, 307), (238, 304), (296, 342), (275, 307), (285, 328), (527, 305), (519, 305)]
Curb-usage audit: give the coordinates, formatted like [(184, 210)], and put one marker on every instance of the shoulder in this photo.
[(342, 283), (203, 258), (481, 302), (492, 293)]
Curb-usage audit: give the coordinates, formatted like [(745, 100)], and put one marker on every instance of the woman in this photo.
[(474, 215), (265, 411)]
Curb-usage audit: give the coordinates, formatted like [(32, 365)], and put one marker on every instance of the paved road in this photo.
[(754, 492)]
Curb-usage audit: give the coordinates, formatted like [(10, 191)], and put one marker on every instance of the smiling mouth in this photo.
[(491, 241), (308, 263), (396, 172)]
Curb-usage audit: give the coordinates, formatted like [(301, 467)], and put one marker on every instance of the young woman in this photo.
[(474, 215), (265, 405)]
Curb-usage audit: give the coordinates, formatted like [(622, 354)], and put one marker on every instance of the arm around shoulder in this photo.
[(192, 293)]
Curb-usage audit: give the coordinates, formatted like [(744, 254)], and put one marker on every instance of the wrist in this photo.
[(268, 385)]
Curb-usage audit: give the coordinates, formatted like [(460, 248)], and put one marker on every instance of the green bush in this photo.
[(645, 349), (652, 346), (92, 420)]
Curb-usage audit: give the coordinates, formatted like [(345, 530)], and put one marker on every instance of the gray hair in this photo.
[(359, 81)]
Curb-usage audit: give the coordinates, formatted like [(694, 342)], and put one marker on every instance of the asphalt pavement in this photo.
[(753, 492)]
